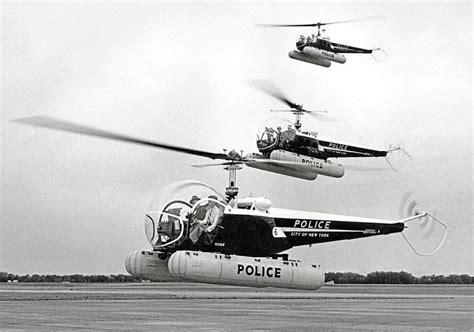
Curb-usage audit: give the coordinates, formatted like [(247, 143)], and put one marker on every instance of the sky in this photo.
[(176, 73)]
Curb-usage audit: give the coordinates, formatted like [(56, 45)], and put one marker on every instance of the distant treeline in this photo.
[(5, 277), (338, 278), (402, 277)]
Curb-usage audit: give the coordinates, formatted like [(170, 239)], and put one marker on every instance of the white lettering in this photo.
[(314, 224), (338, 146)]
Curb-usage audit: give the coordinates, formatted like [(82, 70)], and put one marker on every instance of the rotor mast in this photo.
[(297, 124), (232, 190), (319, 30)]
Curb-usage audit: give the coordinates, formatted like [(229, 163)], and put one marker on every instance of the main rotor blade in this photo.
[(322, 116), (56, 124), (319, 115), (263, 25), (369, 18), (227, 163), (271, 89), (253, 160), (361, 19)]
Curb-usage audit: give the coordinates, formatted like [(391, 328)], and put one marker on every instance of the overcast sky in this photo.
[(175, 73)]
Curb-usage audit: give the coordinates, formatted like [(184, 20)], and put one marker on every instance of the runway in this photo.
[(184, 306)]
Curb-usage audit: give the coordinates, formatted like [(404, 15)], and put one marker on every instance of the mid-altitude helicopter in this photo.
[(280, 140), (320, 50), (198, 235)]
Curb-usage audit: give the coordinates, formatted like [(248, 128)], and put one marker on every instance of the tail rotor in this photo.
[(379, 55), (424, 224), (397, 157)]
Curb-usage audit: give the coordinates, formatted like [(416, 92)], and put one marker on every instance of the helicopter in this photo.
[(279, 139), (199, 235), (319, 50)]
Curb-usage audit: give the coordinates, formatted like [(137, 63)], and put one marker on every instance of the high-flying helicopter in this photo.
[(198, 235), (320, 50), (280, 140)]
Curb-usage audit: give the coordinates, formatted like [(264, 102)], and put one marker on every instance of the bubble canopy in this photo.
[(268, 133), (168, 214)]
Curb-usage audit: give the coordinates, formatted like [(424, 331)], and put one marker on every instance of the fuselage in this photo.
[(322, 52), (261, 233), (324, 44), (308, 145)]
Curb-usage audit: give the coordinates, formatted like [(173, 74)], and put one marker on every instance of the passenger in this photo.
[(212, 215), (207, 223), (199, 211), (286, 138)]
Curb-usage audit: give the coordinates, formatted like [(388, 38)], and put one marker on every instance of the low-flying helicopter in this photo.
[(198, 235), (319, 50), (278, 139)]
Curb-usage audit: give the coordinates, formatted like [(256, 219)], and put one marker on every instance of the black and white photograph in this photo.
[(224, 165)]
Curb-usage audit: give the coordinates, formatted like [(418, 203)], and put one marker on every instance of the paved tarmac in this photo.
[(184, 306)]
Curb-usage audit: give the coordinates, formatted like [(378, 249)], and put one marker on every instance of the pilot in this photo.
[(270, 132), (195, 218)]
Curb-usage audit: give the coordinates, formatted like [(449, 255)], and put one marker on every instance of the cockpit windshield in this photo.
[(170, 225), (170, 214), (269, 134)]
